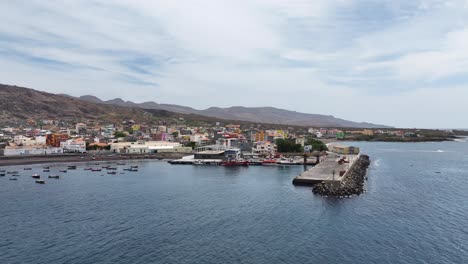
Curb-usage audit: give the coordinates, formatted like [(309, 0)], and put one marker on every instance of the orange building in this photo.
[(54, 140)]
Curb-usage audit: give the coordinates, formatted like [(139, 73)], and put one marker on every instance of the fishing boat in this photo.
[(40, 181), (269, 162), (36, 176), (54, 177)]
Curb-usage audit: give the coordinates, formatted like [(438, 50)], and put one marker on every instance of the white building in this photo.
[(74, 145), (30, 150), (148, 147), (264, 147)]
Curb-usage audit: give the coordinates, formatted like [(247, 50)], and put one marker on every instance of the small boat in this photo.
[(120, 163), (40, 181), (36, 176), (111, 168), (15, 175), (112, 172), (13, 179), (127, 169), (134, 167), (198, 162), (46, 167), (2, 174), (96, 169), (46, 170), (54, 176), (88, 168), (27, 169), (64, 171), (12, 172), (269, 162), (71, 167)]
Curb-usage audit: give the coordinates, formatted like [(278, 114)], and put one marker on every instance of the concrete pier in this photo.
[(329, 169)]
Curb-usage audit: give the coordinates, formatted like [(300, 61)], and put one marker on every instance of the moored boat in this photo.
[(54, 177), (36, 176), (40, 181), (13, 179), (64, 171)]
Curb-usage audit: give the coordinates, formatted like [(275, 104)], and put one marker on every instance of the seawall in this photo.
[(352, 183)]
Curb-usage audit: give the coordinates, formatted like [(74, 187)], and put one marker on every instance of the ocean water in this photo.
[(415, 210)]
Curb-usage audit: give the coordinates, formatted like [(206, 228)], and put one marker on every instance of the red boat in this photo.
[(235, 163), (269, 162)]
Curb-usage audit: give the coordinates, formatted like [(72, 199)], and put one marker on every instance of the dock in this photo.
[(329, 169)]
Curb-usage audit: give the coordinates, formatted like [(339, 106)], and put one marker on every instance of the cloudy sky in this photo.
[(395, 62)]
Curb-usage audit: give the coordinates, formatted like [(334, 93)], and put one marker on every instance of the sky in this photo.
[(394, 62)]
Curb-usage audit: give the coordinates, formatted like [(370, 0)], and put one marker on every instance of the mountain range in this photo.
[(22, 103), (270, 115)]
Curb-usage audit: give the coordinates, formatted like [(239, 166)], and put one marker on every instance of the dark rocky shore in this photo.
[(353, 184)]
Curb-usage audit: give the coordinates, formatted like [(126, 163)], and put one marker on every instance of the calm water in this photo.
[(196, 214)]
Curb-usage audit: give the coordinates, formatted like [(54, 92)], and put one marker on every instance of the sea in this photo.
[(414, 210)]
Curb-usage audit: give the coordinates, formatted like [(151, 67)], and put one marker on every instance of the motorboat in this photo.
[(46, 170), (36, 176), (27, 169), (72, 167), (64, 171), (97, 169), (40, 181), (112, 172), (54, 177), (13, 179)]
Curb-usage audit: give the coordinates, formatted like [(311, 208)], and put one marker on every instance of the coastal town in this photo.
[(57, 137)]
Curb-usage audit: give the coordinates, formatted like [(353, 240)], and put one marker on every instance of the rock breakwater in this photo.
[(352, 184)]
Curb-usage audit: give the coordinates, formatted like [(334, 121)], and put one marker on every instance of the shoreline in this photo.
[(32, 160)]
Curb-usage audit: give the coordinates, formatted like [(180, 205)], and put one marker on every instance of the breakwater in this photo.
[(351, 184)]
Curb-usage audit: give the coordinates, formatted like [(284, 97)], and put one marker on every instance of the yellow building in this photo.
[(344, 150), (368, 132)]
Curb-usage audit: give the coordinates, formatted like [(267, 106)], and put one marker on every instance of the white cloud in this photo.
[(312, 56)]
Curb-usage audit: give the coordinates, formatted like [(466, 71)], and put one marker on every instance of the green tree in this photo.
[(119, 134), (175, 134), (285, 146), (191, 144), (316, 144)]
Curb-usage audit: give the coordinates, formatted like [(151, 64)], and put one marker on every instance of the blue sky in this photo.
[(395, 62)]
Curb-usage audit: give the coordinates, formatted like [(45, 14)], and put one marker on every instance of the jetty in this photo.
[(332, 168)]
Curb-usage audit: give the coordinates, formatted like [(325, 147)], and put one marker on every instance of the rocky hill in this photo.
[(270, 115), (22, 103)]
